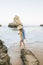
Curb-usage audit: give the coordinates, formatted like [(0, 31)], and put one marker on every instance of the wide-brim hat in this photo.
[(19, 27)]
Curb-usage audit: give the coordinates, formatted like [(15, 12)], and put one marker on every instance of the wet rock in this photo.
[(41, 24), (0, 25), (12, 25), (4, 57), (28, 58)]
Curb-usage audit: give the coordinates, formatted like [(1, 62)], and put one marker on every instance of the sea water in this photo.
[(10, 35)]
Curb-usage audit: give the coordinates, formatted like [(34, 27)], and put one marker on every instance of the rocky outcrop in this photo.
[(4, 57), (41, 25), (16, 22), (28, 58), (0, 25), (12, 25)]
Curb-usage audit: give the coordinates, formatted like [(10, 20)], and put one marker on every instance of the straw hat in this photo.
[(19, 27)]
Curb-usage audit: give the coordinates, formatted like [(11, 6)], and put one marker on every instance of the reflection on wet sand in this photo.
[(22, 56)]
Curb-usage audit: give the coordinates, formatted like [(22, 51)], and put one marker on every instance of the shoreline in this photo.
[(35, 48)]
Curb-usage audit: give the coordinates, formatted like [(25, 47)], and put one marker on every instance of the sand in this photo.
[(37, 50), (35, 47)]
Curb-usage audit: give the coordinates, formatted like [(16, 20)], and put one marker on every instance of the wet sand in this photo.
[(14, 53), (37, 50), (35, 47)]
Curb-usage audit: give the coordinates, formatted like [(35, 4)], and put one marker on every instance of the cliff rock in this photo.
[(4, 57)]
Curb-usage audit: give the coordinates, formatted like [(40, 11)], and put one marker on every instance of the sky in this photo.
[(29, 11)]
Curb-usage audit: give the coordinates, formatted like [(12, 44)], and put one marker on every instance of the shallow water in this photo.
[(32, 33)]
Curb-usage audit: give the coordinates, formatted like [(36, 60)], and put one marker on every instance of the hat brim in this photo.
[(19, 27)]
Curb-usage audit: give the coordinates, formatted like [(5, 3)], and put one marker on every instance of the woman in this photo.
[(22, 35)]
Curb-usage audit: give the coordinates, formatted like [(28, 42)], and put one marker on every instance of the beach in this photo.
[(37, 49), (21, 22), (14, 52), (34, 37)]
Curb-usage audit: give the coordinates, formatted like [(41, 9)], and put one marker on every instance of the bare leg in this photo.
[(22, 43)]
